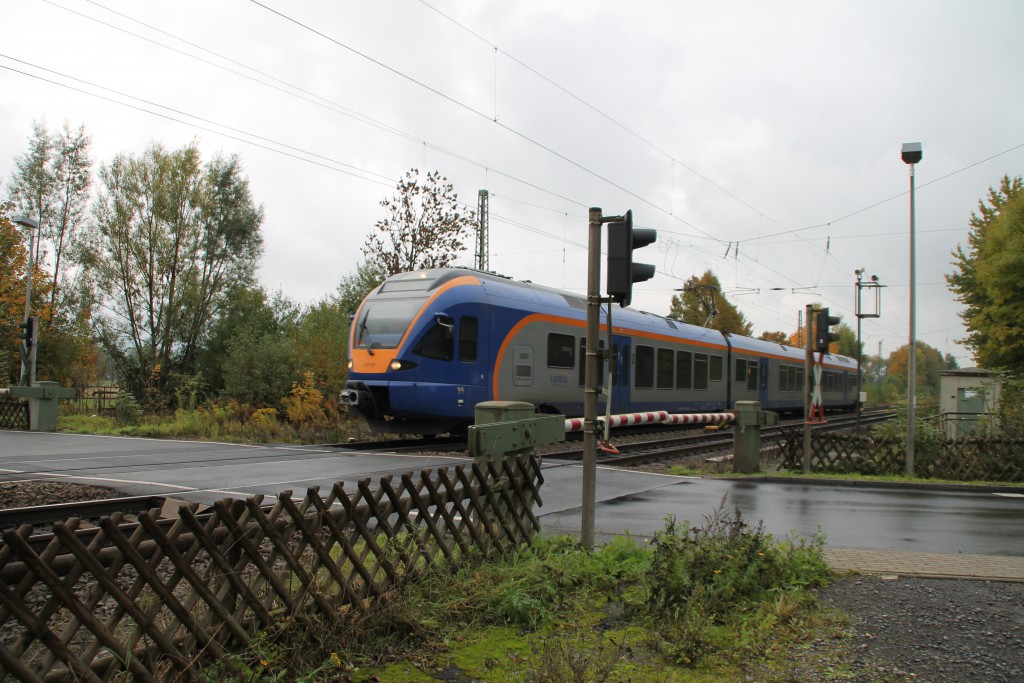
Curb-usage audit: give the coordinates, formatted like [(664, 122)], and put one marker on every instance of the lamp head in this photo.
[(911, 152), (26, 222)]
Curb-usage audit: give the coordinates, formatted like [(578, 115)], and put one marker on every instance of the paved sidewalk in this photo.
[(903, 563)]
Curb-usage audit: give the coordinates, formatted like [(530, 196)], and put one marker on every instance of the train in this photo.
[(425, 347)]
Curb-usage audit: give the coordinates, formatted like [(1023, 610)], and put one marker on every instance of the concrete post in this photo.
[(747, 435)]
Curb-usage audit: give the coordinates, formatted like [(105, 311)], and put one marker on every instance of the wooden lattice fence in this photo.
[(161, 598), (13, 413), (972, 459)]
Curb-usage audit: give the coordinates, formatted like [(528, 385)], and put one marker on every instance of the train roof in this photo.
[(427, 280)]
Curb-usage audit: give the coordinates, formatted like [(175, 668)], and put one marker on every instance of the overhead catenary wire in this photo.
[(695, 237)]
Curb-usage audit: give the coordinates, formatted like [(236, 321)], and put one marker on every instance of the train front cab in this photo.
[(418, 354)]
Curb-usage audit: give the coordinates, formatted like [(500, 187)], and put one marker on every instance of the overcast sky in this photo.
[(761, 139)]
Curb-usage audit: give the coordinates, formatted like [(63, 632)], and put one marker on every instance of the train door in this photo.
[(621, 358), (763, 377)]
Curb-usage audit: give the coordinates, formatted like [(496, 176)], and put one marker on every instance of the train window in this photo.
[(716, 368), (783, 378), (467, 338), (583, 363), (700, 371), (382, 323), (666, 369), (684, 370), (799, 379), (561, 350), (623, 368), (439, 341), (746, 373), (644, 367)]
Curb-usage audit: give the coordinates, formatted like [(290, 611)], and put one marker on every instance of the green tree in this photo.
[(929, 364), (322, 346), (874, 368), (846, 345), (51, 183), (245, 311), (988, 279), (172, 236), (702, 297), (261, 360), (425, 227), (354, 287)]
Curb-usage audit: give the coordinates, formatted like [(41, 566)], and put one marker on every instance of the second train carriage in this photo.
[(426, 346)]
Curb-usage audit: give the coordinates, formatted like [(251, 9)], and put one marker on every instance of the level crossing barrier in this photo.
[(575, 424)]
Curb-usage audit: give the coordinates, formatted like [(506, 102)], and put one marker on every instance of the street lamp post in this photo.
[(911, 154), (28, 372)]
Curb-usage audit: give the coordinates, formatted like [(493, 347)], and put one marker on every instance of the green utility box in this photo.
[(511, 427), (747, 435), (42, 404)]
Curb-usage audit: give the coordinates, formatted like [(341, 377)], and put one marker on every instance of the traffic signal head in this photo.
[(823, 335), (28, 333), (622, 272)]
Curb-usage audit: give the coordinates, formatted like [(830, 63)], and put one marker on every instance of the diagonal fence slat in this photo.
[(159, 599), (13, 414)]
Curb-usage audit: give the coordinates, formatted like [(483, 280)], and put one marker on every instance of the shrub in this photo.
[(700, 574), (304, 404), (127, 412)]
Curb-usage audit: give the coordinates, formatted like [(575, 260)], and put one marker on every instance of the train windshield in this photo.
[(382, 322)]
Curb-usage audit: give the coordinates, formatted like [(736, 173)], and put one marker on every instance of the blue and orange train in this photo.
[(426, 346)]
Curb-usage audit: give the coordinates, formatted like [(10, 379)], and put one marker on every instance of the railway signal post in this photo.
[(808, 387), (622, 273)]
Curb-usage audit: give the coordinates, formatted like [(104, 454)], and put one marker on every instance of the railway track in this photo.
[(706, 443), (637, 447)]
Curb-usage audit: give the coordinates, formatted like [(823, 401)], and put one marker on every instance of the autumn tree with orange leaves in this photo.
[(13, 266)]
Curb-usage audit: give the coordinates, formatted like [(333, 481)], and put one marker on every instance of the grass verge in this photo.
[(216, 423)]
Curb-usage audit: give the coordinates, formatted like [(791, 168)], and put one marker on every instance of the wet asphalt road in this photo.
[(855, 517)]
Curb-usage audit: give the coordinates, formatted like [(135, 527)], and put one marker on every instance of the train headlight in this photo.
[(397, 365), (349, 363)]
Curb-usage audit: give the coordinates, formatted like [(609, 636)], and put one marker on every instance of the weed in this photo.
[(572, 657), (700, 576)]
